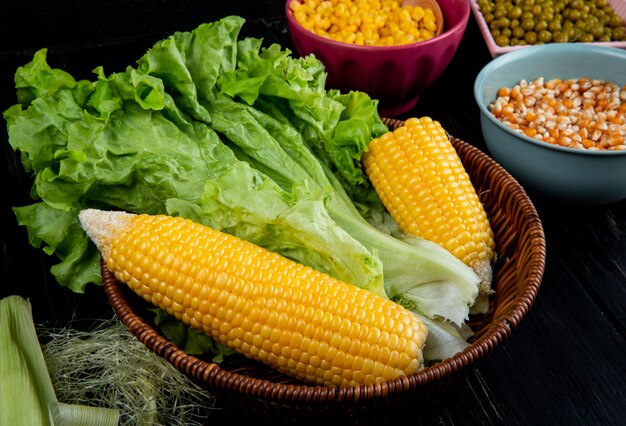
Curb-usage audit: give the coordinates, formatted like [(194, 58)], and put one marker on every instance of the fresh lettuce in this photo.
[(237, 136)]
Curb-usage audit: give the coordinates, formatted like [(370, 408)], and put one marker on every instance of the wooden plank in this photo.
[(591, 243), (565, 362)]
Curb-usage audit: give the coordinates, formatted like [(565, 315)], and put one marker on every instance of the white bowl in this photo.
[(568, 174)]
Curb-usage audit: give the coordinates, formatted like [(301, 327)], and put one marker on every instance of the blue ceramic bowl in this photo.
[(566, 174)]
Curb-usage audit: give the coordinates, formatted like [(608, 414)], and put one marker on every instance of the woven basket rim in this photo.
[(211, 374)]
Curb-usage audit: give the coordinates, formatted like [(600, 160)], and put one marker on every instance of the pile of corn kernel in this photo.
[(577, 113), (366, 22)]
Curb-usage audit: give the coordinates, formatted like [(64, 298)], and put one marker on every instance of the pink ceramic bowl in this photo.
[(395, 75)]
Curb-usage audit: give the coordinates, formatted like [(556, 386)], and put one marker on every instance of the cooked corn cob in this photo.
[(423, 184), (301, 322)]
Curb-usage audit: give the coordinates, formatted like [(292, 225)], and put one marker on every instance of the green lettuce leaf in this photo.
[(239, 137)]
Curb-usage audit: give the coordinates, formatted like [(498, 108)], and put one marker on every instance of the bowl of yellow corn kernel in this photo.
[(554, 116), (384, 48)]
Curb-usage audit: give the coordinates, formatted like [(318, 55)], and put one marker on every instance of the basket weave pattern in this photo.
[(253, 387)]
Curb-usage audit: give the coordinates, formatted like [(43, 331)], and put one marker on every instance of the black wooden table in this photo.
[(565, 364)]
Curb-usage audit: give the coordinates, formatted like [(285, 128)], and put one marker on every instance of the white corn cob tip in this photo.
[(102, 225)]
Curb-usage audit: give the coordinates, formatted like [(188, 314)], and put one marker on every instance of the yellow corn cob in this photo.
[(423, 184), (301, 322)]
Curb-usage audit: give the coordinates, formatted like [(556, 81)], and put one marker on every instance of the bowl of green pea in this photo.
[(508, 25)]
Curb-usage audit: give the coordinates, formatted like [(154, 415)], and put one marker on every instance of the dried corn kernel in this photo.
[(577, 113)]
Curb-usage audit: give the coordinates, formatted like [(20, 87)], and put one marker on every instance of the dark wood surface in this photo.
[(566, 362)]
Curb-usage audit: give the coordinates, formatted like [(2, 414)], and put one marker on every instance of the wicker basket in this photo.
[(255, 388)]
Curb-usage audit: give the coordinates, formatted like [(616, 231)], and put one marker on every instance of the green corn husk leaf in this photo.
[(27, 396)]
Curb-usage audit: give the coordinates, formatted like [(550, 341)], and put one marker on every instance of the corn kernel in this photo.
[(400, 167), (384, 18), (327, 348)]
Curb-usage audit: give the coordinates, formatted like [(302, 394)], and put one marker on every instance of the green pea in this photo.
[(530, 37), (582, 25), (485, 6), (586, 38), (502, 41), (544, 36), (558, 21), (597, 31), (573, 15), (554, 25), (618, 34), (601, 16), (616, 22), (528, 24), (518, 32), (515, 12), (504, 22), (500, 13), (577, 34), (541, 25)]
